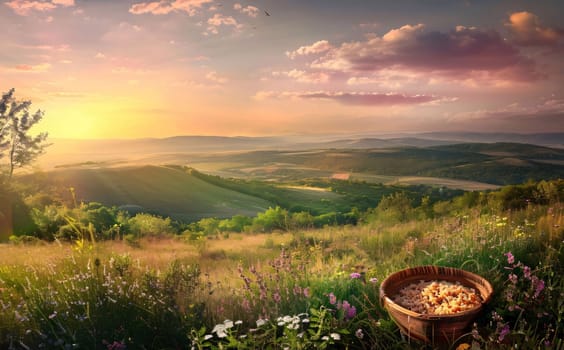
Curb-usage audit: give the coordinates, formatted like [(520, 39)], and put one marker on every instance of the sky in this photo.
[(136, 69)]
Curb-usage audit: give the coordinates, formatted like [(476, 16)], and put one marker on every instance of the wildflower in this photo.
[(349, 310), (332, 299), (208, 336), (539, 287), (355, 275), (116, 345), (513, 278), (306, 292), (504, 331), (527, 272), (277, 298), (463, 346), (261, 322), (359, 333), (510, 258), (373, 280), (335, 336)]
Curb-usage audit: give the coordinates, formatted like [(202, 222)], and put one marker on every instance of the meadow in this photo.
[(291, 288)]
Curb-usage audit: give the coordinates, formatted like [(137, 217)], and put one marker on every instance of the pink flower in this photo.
[(355, 275), (510, 258), (349, 310), (527, 272), (332, 299), (504, 331), (306, 292), (539, 286)]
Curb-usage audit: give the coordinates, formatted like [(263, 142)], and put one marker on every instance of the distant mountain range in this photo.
[(67, 151)]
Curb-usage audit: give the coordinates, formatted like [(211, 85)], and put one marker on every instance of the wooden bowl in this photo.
[(433, 329)]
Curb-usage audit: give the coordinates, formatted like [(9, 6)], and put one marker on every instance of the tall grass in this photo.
[(308, 289)]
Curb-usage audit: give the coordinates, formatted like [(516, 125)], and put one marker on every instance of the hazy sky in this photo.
[(123, 69)]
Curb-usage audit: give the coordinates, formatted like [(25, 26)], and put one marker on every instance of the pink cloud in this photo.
[(219, 20), (63, 2), (528, 31), (354, 98), (23, 7), (458, 54), (517, 117), (250, 11), (308, 77), (38, 68), (164, 7), (315, 48)]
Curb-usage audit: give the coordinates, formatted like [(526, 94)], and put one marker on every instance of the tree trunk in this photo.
[(6, 224)]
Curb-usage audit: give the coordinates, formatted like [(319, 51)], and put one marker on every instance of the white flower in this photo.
[(220, 329), (228, 324), (335, 336), (261, 322), (208, 336)]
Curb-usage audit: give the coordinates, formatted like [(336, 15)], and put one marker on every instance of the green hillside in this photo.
[(496, 163), (158, 189)]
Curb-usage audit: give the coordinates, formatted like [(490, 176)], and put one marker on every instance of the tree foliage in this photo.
[(16, 144)]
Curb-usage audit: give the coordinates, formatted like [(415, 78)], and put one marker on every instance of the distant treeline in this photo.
[(39, 217)]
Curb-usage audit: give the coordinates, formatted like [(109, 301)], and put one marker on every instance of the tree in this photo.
[(15, 123)]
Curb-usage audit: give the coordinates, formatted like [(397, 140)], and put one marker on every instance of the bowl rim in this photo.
[(385, 300)]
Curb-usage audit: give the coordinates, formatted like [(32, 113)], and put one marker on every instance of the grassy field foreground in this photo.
[(292, 290)]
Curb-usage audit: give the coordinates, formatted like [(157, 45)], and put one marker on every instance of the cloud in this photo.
[(459, 54), (315, 48), (528, 31), (23, 7), (63, 2), (164, 7), (38, 68), (250, 11), (214, 77), (303, 76), (219, 20), (354, 98), (517, 117)]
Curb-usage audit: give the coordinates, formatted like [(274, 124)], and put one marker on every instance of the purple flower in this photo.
[(349, 310), (510, 258), (527, 272), (116, 345), (355, 275), (332, 299), (539, 287), (503, 333), (373, 280)]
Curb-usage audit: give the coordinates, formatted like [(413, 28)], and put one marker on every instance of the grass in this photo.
[(164, 190), (58, 295)]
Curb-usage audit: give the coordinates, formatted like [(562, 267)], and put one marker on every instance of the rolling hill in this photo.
[(163, 190)]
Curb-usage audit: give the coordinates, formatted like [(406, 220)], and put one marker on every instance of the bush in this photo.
[(143, 225)]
